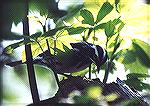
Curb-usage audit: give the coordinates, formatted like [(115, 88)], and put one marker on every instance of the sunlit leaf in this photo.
[(104, 10), (77, 30), (52, 32), (120, 26), (88, 17), (111, 97), (100, 26), (131, 61), (141, 55), (136, 67), (116, 21), (72, 11), (81, 73), (145, 46), (94, 92), (109, 29), (66, 48), (9, 49), (117, 5)]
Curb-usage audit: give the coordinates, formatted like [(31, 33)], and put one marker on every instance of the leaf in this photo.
[(89, 33), (137, 75), (111, 97), (134, 83), (132, 63), (136, 67), (77, 30), (116, 21), (145, 46), (137, 84), (88, 17), (36, 35), (66, 48), (109, 29), (121, 26), (100, 26), (117, 5), (52, 32), (80, 73), (9, 49), (142, 56), (104, 10), (73, 11)]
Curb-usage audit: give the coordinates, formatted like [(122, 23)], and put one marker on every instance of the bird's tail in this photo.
[(15, 63)]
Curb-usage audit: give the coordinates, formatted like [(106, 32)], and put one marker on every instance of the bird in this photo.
[(76, 59)]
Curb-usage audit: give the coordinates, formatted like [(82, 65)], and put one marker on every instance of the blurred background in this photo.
[(14, 81)]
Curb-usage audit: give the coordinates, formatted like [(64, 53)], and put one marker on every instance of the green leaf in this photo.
[(137, 75), (77, 30), (52, 32), (121, 26), (66, 48), (80, 73), (104, 10), (89, 33), (73, 11), (36, 35), (141, 55), (58, 51), (134, 83), (117, 5), (132, 63), (9, 49), (136, 67), (116, 21), (145, 46), (88, 17), (100, 26), (109, 29)]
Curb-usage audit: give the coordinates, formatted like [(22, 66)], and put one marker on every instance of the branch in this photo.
[(30, 68)]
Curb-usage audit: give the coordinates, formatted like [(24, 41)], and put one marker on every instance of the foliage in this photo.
[(112, 29), (89, 27), (93, 96)]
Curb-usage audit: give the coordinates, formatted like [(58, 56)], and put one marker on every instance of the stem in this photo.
[(29, 62), (44, 30), (50, 65), (107, 43), (109, 63), (94, 37), (54, 46), (90, 71)]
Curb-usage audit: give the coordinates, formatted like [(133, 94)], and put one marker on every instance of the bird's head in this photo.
[(95, 53)]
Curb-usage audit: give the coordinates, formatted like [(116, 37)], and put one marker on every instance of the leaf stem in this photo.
[(90, 71)]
